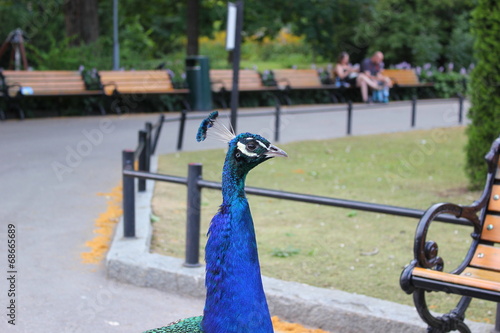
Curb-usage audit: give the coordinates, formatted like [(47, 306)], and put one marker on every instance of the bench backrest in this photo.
[(136, 82), (297, 78), (44, 82), (402, 76), (488, 256), (223, 79)]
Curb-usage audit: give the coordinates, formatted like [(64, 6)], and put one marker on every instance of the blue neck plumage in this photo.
[(235, 297)]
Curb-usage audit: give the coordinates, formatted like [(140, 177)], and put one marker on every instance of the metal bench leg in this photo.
[(20, 111), (497, 320), (454, 320)]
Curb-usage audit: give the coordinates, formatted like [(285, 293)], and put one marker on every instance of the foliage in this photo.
[(416, 31), (485, 98)]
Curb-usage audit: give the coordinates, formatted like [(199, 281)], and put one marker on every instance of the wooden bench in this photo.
[(21, 84), (303, 79), (478, 276), (249, 80), (404, 79), (138, 84)]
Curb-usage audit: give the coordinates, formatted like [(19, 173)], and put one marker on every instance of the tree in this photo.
[(82, 21), (416, 31), (192, 29), (485, 90)]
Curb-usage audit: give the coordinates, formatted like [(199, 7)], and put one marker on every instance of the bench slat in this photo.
[(298, 78), (471, 277), (494, 204), (47, 83), (404, 77), (248, 80), (491, 229), (137, 82), (486, 257)]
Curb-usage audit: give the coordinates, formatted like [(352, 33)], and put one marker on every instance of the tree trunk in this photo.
[(193, 27), (82, 21)]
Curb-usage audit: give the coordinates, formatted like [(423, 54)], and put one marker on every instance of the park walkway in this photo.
[(51, 173)]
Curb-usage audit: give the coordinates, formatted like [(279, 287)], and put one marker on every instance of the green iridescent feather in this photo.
[(188, 325)]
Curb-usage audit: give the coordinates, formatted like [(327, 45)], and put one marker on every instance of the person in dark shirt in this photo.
[(372, 68)]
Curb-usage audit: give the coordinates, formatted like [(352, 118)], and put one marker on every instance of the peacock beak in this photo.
[(274, 151)]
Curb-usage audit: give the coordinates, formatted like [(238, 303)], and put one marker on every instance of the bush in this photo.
[(485, 91)]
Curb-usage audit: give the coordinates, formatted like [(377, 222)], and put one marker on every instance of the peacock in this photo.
[(235, 300)]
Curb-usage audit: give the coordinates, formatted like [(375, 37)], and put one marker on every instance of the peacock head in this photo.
[(246, 150)]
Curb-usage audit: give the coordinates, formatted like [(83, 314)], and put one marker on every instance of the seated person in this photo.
[(350, 76), (372, 67)]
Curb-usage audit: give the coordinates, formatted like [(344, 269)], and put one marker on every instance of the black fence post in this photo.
[(182, 123), (349, 117), (277, 123), (157, 133), (148, 145), (460, 108), (413, 110), (193, 215), (143, 159), (128, 195)]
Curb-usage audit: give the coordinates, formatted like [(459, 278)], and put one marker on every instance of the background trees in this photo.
[(485, 90), (416, 31)]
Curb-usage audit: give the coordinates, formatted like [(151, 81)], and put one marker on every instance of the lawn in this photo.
[(354, 251)]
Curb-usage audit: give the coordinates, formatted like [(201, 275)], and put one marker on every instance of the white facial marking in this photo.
[(261, 144), (243, 149)]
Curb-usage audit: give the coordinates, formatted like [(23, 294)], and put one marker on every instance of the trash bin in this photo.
[(198, 80)]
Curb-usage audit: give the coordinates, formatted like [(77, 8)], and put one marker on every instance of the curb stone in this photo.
[(130, 261)]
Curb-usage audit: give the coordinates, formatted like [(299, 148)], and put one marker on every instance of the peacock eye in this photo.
[(251, 146)]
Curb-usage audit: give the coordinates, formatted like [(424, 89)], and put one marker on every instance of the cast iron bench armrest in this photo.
[(478, 274), (425, 251)]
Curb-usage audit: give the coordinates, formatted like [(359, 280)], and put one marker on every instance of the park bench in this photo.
[(27, 84), (137, 84), (404, 79), (249, 80), (478, 276), (303, 79)]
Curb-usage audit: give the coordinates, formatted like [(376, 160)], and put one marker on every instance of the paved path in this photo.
[(51, 172)]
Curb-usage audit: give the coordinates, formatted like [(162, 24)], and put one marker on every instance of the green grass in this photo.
[(354, 251)]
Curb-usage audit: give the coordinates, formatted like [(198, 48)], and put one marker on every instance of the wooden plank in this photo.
[(249, 80), (403, 77), (298, 78), (137, 82), (491, 229), (486, 257), (47, 83), (494, 204), (471, 277)]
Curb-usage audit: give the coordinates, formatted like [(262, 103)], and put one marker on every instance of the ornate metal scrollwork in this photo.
[(426, 252)]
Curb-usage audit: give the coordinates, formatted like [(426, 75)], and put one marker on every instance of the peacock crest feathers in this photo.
[(218, 130)]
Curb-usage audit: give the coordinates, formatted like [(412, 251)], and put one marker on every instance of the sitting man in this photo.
[(372, 68)]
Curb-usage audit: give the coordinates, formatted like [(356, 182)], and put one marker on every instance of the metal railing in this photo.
[(147, 142), (146, 147), (278, 113), (195, 183)]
